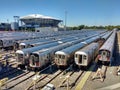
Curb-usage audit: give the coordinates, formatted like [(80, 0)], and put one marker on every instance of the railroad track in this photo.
[(58, 79), (16, 82), (23, 81)]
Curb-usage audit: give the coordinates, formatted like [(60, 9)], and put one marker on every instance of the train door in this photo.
[(80, 59), (32, 60)]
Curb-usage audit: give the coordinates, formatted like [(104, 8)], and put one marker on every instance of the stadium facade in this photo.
[(39, 21)]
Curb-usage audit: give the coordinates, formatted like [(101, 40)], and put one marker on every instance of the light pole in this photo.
[(65, 20)]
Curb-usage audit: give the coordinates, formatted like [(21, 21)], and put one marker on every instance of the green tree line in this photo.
[(109, 27)]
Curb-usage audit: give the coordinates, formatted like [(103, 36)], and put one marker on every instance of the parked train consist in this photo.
[(84, 56), (106, 51), (66, 56), (41, 58), (23, 55)]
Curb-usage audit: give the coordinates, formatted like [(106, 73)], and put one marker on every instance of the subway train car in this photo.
[(84, 56), (106, 51)]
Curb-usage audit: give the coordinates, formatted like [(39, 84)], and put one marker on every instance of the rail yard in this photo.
[(60, 60)]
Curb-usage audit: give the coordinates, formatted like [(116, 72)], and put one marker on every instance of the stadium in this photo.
[(38, 22)]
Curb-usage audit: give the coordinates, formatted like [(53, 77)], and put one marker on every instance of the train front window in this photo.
[(36, 57), (59, 56), (63, 57), (104, 53), (84, 57)]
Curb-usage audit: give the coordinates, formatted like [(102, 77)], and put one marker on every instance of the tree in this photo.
[(81, 27)]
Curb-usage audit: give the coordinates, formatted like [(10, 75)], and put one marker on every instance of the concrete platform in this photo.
[(111, 82)]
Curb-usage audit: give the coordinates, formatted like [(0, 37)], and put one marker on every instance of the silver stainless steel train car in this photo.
[(84, 56), (106, 51), (66, 56)]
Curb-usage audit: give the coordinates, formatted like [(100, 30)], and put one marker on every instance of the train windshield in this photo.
[(84, 57), (105, 53), (59, 56)]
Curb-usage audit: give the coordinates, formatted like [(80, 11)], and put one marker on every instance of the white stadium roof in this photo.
[(33, 16)]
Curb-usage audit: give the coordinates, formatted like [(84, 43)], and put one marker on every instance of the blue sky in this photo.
[(87, 12)]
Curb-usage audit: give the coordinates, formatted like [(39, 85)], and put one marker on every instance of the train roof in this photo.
[(108, 45), (20, 52), (72, 48), (32, 49), (86, 49), (106, 35)]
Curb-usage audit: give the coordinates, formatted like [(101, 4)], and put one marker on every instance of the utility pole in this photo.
[(65, 20), (7, 27)]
